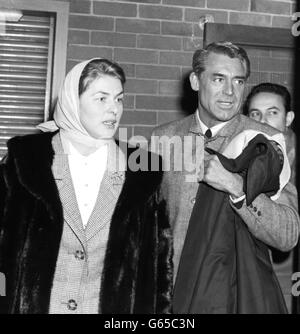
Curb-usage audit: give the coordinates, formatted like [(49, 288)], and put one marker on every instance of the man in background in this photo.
[(270, 103)]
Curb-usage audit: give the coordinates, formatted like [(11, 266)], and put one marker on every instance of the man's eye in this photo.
[(240, 82), (254, 114), (218, 79), (102, 99), (273, 112)]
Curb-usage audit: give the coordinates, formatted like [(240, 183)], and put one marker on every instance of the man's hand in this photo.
[(219, 178)]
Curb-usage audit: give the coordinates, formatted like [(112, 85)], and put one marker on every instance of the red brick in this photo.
[(275, 65), (170, 87), (254, 61), (190, 44), (139, 86), (154, 102), (160, 12), (87, 52), (113, 39), (258, 77), (282, 22), (185, 3), (80, 6), (270, 7), (115, 9), (250, 19), (157, 72), (257, 52), (158, 42), (136, 56), (91, 22), (129, 69), (168, 116), (140, 1), (186, 71), (193, 15), (282, 53), (138, 26), (239, 5), (130, 117), (285, 79), (144, 131), (176, 28), (70, 64), (129, 101), (78, 37), (176, 58)]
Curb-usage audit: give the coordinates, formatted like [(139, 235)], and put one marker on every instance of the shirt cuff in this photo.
[(236, 200)]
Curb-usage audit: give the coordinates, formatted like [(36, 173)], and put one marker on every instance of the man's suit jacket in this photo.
[(276, 224)]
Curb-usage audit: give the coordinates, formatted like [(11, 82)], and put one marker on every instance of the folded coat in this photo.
[(223, 267)]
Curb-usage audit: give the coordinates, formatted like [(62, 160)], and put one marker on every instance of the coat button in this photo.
[(72, 305), (79, 255), (255, 209), (258, 213), (193, 200)]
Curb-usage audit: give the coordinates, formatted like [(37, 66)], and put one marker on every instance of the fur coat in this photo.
[(137, 273)]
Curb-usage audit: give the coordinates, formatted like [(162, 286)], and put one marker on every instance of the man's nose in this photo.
[(228, 88), (263, 119)]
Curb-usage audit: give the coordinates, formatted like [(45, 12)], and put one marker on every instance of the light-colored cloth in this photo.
[(291, 141), (87, 173), (214, 129), (66, 114), (239, 142), (274, 222), (79, 265)]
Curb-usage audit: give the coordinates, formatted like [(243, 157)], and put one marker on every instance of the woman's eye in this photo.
[(102, 98), (120, 99)]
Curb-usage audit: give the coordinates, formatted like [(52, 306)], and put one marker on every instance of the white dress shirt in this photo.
[(214, 130), (87, 173)]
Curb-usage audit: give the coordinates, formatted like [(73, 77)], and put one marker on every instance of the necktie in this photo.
[(208, 133)]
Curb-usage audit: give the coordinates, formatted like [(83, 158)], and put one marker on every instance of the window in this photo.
[(32, 63)]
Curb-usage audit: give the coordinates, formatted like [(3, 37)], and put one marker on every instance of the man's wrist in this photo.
[(237, 199)]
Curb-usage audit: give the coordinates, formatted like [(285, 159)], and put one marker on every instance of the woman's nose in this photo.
[(113, 108)]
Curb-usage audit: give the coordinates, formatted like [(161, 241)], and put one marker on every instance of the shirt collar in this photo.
[(214, 130)]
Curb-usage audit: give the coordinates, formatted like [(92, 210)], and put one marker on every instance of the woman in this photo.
[(78, 233)]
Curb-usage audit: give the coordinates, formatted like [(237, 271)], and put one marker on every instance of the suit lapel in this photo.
[(62, 176), (109, 192)]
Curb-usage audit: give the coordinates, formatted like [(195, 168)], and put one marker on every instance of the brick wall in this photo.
[(151, 39)]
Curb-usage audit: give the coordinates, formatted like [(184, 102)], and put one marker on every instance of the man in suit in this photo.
[(219, 75)]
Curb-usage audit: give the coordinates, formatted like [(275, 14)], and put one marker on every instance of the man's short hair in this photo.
[(269, 87), (226, 48)]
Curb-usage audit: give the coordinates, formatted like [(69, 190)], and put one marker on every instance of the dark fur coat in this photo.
[(137, 273)]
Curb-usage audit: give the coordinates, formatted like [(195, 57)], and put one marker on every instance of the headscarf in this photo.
[(66, 114)]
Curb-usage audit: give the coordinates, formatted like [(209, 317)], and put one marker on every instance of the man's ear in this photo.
[(194, 81), (290, 115)]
